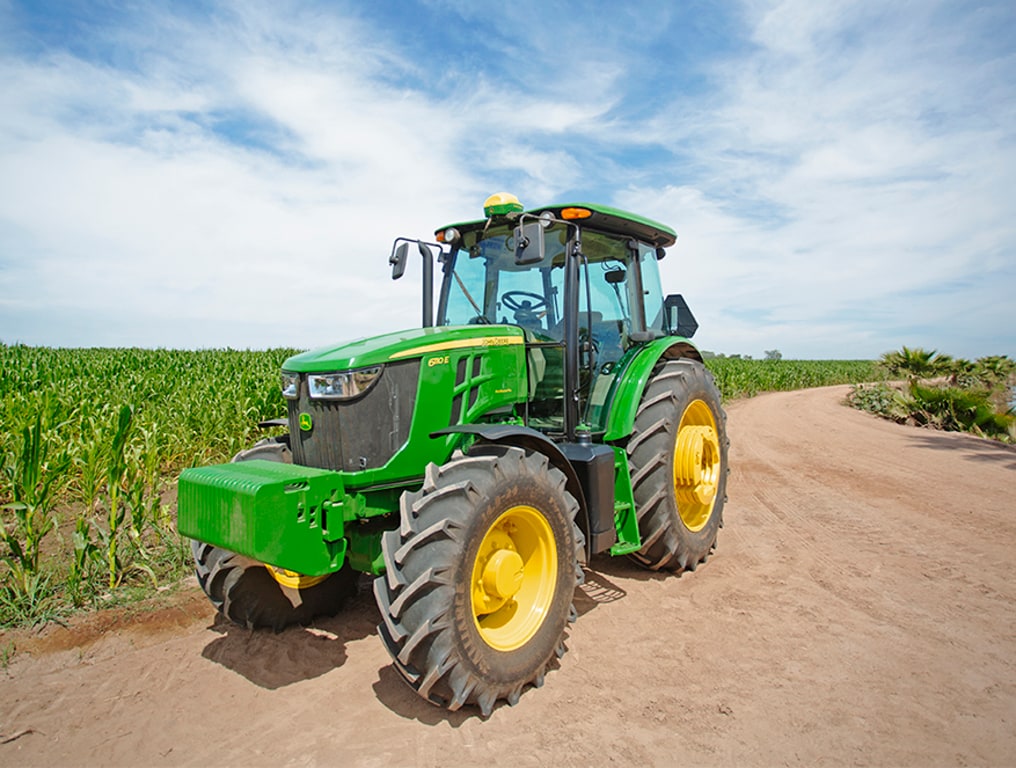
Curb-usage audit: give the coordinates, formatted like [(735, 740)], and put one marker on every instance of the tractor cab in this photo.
[(581, 280)]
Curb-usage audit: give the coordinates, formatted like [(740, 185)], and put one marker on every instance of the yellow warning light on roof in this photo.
[(501, 204), (576, 213)]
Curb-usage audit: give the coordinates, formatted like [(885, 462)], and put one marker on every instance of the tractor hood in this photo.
[(403, 345)]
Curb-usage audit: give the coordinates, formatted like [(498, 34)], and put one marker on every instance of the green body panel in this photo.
[(427, 343), (467, 374), (366, 516), (629, 385), (285, 515), (625, 520), (365, 550), (293, 517)]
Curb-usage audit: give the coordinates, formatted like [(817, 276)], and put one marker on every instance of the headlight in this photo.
[(290, 385), (342, 385)]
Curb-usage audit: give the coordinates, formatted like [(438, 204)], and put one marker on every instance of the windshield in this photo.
[(485, 285)]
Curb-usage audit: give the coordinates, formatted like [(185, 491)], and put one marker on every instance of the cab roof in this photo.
[(601, 218)]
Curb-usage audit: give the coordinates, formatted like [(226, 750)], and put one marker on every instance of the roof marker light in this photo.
[(576, 213)]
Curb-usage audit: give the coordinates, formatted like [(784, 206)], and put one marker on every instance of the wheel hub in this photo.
[(513, 578), (698, 462), (695, 464), (294, 580), (503, 574)]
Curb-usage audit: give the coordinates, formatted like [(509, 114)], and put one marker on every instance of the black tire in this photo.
[(679, 480), (434, 595), (246, 592)]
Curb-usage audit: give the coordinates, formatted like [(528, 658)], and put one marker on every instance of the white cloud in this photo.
[(845, 175), (124, 208), (850, 192)]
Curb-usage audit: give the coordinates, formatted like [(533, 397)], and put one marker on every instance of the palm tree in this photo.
[(995, 371), (917, 363), (997, 374)]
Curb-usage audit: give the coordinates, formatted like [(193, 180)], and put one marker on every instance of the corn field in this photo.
[(738, 377), (92, 441)]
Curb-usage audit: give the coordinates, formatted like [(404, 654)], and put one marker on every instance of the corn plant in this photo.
[(188, 408), (33, 601), (116, 472), (87, 559), (33, 480)]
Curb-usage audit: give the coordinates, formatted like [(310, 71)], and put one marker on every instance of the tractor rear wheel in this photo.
[(256, 595), (677, 455), (480, 577)]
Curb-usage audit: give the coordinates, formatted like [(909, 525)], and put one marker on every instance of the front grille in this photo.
[(359, 434)]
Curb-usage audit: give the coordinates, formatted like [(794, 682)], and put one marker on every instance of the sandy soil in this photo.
[(860, 609)]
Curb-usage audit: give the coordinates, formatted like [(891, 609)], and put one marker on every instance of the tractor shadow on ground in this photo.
[(274, 660), (598, 589), (604, 568), (969, 447), (393, 693)]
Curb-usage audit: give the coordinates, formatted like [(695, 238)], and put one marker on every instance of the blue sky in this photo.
[(841, 175)]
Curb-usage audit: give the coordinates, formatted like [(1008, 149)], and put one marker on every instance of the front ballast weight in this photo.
[(263, 505), (285, 514)]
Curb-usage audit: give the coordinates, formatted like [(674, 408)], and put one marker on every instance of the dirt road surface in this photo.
[(860, 609)]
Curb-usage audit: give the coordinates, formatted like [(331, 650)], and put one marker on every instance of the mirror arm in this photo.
[(398, 258)]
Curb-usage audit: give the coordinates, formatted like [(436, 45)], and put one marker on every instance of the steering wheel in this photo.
[(511, 300)]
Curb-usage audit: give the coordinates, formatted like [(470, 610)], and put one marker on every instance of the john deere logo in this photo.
[(306, 423)]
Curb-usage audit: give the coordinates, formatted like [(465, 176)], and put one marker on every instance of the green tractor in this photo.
[(550, 408)]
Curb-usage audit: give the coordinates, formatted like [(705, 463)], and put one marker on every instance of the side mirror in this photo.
[(677, 317), (529, 245), (398, 260)]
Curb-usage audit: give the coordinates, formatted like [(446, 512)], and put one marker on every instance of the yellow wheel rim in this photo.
[(696, 465), (514, 578), (294, 580)]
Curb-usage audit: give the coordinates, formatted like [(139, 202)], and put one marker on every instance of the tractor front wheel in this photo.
[(256, 595), (677, 455), (480, 577)]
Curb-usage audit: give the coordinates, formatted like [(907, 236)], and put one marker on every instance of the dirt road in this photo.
[(860, 609)]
